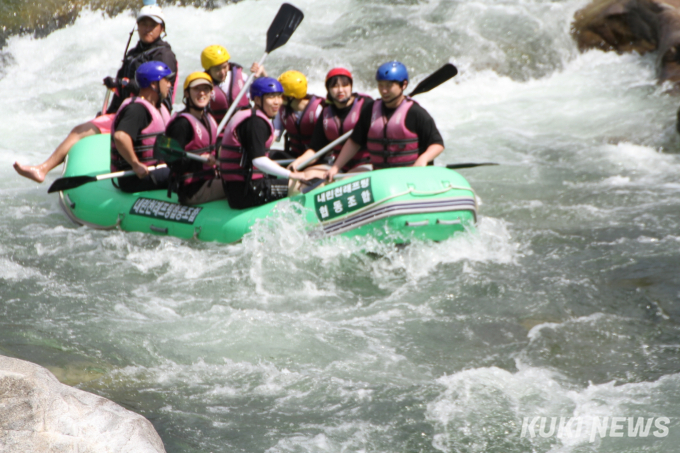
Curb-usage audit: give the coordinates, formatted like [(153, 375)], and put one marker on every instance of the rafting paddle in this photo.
[(435, 79), (282, 27), (469, 165), (71, 182)]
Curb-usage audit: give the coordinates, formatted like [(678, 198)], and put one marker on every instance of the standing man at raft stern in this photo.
[(151, 47), (150, 24), (195, 130), (300, 113), (138, 121), (397, 131), (245, 148), (338, 117)]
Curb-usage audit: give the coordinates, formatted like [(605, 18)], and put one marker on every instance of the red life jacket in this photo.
[(334, 129), (299, 133), (221, 101), (390, 143), (233, 160), (205, 132), (147, 137)]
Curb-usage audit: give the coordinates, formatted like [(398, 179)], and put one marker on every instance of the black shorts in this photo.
[(243, 195)]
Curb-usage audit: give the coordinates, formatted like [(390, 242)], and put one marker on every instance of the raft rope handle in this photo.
[(412, 190)]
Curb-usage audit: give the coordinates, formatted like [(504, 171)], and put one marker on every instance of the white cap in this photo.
[(152, 11)]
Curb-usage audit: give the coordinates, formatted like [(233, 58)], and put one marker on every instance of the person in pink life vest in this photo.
[(138, 122), (228, 78), (397, 131), (195, 130), (150, 26), (299, 114), (247, 172), (340, 115)]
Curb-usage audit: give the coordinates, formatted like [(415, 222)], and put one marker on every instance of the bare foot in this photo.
[(31, 172)]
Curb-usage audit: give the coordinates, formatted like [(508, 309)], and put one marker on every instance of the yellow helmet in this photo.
[(294, 84), (214, 55), (201, 77)]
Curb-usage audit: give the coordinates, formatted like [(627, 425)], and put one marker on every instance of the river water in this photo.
[(565, 303)]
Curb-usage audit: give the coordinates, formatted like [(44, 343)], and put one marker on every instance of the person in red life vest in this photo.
[(150, 25), (243, 156), (338, 117), (300, 113), (195, 130), (138, 122), (397, 131)]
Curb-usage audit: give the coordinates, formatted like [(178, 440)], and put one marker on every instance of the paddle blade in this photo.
[(469, 165), (70, 183), (435, 79), (286, 21), (167, 149)]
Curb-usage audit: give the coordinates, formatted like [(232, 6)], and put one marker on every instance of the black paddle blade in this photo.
[(70, 183), (167, 149), (469, 165), (435, 79), (286, 21)]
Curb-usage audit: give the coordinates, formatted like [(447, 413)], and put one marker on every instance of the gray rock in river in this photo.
[(633, 26), (40, 414)]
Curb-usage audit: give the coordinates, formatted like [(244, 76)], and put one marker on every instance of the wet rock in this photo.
[(39, 414), (633, 26)]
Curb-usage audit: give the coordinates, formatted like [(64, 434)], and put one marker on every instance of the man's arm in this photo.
[(349, 150), (125, 148), (429, 155)]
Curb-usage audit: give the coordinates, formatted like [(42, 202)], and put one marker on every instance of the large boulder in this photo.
[(39, 414), (633, 26)]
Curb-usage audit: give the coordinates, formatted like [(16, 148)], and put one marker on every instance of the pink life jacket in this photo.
[(222, 101), (203, 142), (390, 143), (147, 137), (234, 162), (334, 129), (299, 133)]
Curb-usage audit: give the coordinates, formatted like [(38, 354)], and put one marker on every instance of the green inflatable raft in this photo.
[(426, 202)]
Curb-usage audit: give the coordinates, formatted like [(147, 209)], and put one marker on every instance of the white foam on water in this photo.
[(484, 406)]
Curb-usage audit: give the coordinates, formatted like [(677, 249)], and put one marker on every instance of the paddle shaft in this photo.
[(285, 22), (106, 101), (324, 150), (122, 174)]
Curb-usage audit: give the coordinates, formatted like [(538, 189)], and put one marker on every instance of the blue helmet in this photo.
[(393, 71), (265, 85), (151, 71)]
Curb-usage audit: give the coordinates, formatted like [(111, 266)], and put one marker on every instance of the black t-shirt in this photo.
[(253, 134), (319, 139), (132, 120), (417, 120), (181, 130)]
